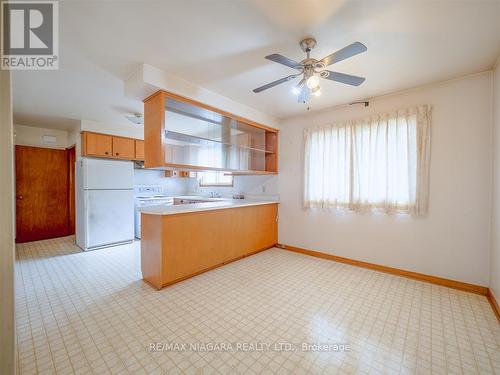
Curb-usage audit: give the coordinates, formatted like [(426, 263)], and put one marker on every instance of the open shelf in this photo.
[(194, 140)]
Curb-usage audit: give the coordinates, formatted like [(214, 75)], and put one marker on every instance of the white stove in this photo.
[(145, 196)]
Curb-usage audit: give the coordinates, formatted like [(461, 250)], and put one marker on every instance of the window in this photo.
[(214, 178), (376, 163)]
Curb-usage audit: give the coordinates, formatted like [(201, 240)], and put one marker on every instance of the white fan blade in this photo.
[(280, 59), (344, 53), (344, 78), (275, 83)]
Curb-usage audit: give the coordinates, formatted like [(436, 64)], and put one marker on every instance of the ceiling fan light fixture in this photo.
[(311, 70), (312, 82)]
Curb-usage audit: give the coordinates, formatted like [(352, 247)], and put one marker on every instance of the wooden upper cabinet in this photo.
[(95, 144), (139, 149), (111, 146), (124, 148), (180, 133)]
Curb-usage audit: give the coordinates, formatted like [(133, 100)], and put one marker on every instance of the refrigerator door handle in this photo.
[(86, 216)]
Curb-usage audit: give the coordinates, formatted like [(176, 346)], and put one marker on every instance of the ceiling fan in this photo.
[(311, 70)]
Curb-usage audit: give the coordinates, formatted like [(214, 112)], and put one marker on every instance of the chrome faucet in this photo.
[(213, 194)]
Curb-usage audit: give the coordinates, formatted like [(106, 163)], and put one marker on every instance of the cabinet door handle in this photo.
[(117, 154), (106, 153), (19, 197)]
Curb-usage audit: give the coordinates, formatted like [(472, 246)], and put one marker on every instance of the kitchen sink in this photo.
[(195, 199)]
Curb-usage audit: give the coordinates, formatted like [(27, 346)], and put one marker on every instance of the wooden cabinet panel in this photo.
[(124, 148), (154, 112), (113, 147), (272, 147), (139, 149), (97, 144), (175, 247), (151, 249)]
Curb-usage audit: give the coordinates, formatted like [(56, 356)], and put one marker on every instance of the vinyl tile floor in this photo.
[(274, 312)]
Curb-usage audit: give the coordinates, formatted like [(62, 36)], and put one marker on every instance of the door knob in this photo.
[(19, 197)]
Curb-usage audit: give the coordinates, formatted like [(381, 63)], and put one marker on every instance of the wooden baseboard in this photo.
[(477, 289), (493, 303)]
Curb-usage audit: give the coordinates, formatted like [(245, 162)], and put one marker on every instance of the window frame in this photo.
[(219, 184)]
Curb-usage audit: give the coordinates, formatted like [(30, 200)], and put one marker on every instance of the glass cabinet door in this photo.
[(202, 138)]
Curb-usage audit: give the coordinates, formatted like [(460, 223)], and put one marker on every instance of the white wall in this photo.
[(7, 326), (132, 131), (495, 224), (33, 136), (171, 185), (452, 241)]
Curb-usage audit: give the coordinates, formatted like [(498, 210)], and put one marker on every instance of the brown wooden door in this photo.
[(98, 144), (124, 148), (41, 193)]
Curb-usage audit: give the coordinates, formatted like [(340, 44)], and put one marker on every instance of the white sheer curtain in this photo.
[(381, 162)]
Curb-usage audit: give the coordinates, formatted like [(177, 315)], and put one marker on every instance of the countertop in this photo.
[(216, 204)]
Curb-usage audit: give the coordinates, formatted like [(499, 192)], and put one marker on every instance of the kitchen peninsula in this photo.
[(183, 240), (180, 241)]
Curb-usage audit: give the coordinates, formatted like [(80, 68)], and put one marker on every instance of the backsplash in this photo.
[(264, 186), (171, 186)]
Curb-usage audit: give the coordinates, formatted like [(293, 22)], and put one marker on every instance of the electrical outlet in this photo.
[(263, 188)]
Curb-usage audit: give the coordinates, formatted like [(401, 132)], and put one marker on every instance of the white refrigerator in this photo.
[(104, 203)]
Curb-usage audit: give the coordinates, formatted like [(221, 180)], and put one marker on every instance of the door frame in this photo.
[(7, 229), (71, 155)]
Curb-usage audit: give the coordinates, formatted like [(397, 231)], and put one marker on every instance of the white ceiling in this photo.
[(221, 44)]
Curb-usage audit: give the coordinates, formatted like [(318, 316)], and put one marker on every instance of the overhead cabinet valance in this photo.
[(184, 134)]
